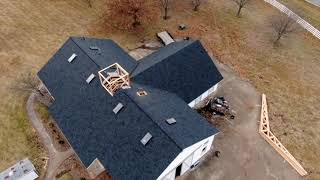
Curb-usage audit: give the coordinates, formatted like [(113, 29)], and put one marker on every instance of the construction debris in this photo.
[(217, 153), (152, 45), (182, 27), (165, 37), (264, 131), (218, 106)]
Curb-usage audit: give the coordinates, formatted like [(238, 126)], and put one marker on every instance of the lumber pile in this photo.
[(265, 132), (165, 37)]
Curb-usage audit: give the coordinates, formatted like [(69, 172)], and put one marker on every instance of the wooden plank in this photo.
[(165, 37), (264, 131), (114, 80)]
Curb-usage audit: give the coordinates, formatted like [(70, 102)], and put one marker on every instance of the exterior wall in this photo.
[(95, 168), (203, 96), (187, 158), (186, 164)]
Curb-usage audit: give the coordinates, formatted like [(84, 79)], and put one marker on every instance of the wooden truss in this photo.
[(265, 132), (113, 78)]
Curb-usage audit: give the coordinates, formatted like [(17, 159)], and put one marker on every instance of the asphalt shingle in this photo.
[(84, 111), (183, 68)]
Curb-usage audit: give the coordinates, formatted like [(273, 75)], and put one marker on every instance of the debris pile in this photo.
[(218, 106), (182, 27)]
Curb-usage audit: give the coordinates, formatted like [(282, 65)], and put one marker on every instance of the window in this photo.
[(142, 93), (204, 149), (178, 170)]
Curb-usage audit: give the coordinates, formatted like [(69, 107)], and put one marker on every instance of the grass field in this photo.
[(32, 30), (309, 12)]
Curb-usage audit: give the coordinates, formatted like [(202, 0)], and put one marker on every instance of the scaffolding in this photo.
[(113, 78)]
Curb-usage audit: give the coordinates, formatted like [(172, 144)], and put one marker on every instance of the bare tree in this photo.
[(196, 4), (283, 25), (241, 4), (165, 5), (129, 14), (27, 83)]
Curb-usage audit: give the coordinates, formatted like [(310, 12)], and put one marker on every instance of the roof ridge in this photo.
[(72, 38), (167, 55), (171, 139)]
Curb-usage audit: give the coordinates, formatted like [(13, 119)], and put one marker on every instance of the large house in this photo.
[(133, 119)]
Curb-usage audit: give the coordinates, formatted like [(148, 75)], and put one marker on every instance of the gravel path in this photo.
[(55, 157), (245, 155)]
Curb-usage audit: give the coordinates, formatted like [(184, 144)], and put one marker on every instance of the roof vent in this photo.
[(72, 57), (146, 139), (96, 48), (118, 108), (142, 93), (90, 78), (171, 121), (125, 87)]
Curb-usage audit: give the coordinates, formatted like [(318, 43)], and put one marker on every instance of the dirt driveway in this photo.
[(244, 154)]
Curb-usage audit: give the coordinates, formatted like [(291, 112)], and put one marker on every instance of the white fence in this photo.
[(298, 19)]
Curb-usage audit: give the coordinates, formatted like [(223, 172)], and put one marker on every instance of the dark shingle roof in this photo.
[(84, 113), (108, 53), (183, 68), (161, 105)]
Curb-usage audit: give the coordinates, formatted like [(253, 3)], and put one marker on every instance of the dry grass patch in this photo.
[(308, 11), (288, 73), (32, 30)]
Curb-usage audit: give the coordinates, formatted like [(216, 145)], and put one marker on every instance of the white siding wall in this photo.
[(186, 164), (170, 175), (203, 96), (187, 157), (192, 154)]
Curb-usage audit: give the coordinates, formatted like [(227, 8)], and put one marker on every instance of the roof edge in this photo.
[(72, 39), (189, 42)]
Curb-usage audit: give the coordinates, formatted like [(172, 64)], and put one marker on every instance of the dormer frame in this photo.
[(113, 78)]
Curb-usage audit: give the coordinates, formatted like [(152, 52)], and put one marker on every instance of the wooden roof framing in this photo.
[(265, 132), (113, 78)]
